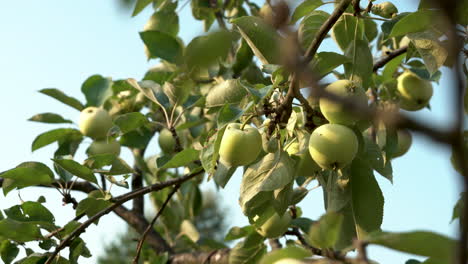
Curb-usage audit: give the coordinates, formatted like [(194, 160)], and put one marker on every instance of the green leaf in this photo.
[(244, 57), (261, 37), (238, 232), (249, 251), (293, 252), (91, 206), (29, 174), (204, 51), (49, 118), (76, 169), (326, 62), (391, 67), (99, 161), (19, 231), (458, 208), (228, 114), (324, 233), (140, 5), (309, 27), (367, 198), (49, 137), (165, 20), (273, 171), (182, 158), (223, 174), (119, 167), (78, 248), (162, 45), (423, 243), (305, 8), (96, 90), (60, 96), (344, 31), (190, 230), (414, 22), (130, 121), (137, 139), (361, 66), (36, 212), (8, 251), (431, 50)]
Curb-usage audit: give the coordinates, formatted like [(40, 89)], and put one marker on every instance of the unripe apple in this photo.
[(275, 226), (415, 92), (240, 147), (99, 147), (288, 261), (336, 113), (385, 9), (404, 142), (166, 141), (95, 122), (333, 146)]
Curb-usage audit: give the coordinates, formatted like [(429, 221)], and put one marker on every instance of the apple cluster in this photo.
[(331, 146)]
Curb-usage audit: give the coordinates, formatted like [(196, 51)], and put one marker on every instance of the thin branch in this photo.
[(361, 248), (284, 110), (275, 244), (390, 56), (137, 181), (150, 226), (117, 202)]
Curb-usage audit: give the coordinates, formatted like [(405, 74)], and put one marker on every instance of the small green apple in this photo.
[(404, 142), (288, 261), (455, 163), (385, 9), (167, 22), (166, 141), (95, 122), (414, 92), (240, 147), (275, 225), (333, 146), (336, 113), (99, 147)]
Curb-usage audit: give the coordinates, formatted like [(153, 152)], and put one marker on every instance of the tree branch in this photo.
[(137, 181), (162, 247), (390, 56), (150, 226), (220, 256)]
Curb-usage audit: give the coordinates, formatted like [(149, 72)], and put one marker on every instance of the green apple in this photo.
[(167, 22), (333, 146), (240, 147), (336, 113), (455, 163), (404, 142), (99, 147), (95, 122), (275, 225), (288, 261), (166, 141), (385, 9), (414, 92)]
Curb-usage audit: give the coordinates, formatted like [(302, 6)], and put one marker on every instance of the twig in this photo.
[(361, 247), (55, 232), (284, 110), (390, 56), (275, 244), (137, 181), (117, 202), (150, 226)]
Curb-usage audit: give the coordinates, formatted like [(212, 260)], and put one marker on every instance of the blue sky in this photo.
[(60, 43)]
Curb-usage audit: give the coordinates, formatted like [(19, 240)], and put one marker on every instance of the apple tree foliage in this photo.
[(263, 65)]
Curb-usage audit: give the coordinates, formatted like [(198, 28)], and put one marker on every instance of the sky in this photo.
[(60, 43)]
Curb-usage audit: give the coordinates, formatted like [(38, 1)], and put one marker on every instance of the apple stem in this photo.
[(246, 121)]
